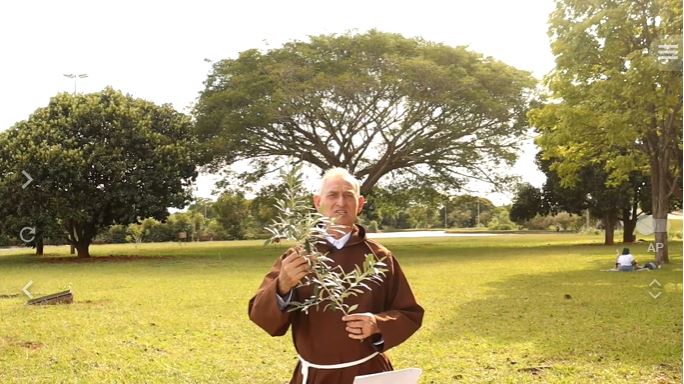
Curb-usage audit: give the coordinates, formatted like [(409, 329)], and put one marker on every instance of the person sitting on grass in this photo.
[(625, 262)]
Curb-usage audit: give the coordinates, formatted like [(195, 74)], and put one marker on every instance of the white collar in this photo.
[(338, 243)]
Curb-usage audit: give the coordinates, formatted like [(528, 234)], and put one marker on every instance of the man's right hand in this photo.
[(292, 270)]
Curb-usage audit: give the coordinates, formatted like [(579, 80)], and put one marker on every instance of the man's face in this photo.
[(338, 200)]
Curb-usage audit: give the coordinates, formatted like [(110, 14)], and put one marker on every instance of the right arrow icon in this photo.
[(30, 179)]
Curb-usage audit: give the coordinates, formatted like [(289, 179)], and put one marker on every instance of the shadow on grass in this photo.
[(97, 259), (423, 253), (553, 320), (247, 254), (602, 256)]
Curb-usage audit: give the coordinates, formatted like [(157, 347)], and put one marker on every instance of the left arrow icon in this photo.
[(26, 291)]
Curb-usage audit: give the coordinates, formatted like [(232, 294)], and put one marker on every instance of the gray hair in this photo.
[(345, 175)]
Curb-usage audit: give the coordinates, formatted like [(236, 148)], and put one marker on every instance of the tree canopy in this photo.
[(527, 203), (614, 102), (374, 103), (97, 159)]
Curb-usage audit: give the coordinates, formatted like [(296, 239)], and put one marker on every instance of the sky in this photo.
[(158, 51)]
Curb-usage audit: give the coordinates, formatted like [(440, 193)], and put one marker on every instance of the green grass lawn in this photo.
[(504, 309)]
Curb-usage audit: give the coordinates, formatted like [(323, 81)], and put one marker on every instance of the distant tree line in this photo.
[(232, 216)]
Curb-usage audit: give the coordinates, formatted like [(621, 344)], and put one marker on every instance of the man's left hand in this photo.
[(361, 325)]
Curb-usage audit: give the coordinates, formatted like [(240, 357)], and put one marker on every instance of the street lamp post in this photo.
[(75, 76)]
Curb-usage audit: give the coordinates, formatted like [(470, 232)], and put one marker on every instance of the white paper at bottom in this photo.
[(402, 376)]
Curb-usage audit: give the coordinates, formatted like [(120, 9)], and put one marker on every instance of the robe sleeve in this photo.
[(263, 308), (403, 315)]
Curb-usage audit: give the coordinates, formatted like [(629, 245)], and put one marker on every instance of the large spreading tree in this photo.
[(96, 160), (616, 97), (374, 103)]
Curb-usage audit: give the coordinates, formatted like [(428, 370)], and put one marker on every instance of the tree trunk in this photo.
[(39, 244), (82, 247), (587, 226), (660, 205), (660, 226), (629, 220), (72, 249), (628, 233), (80, 236), (609, 228)]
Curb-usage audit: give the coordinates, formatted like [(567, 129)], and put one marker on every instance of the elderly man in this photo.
[(334, 349)]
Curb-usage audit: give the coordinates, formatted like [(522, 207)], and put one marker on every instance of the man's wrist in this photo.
[(283, 300), (281, 290)]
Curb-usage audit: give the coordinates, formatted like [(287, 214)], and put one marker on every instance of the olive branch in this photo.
[(297, 221)]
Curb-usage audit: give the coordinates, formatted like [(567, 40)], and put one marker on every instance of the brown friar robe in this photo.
[(320, 337)]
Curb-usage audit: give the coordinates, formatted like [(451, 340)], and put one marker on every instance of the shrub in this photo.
[(372, 226)]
